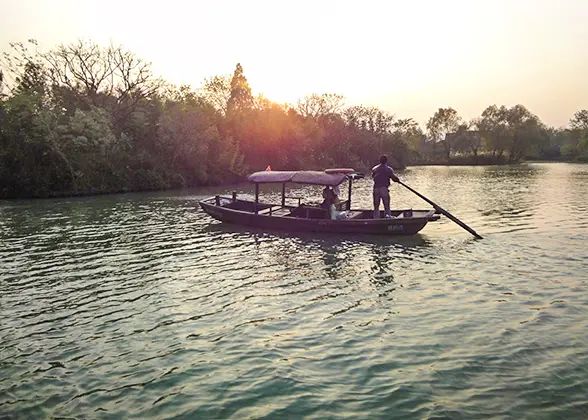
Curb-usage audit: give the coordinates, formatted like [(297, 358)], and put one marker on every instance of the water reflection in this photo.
[(375, 255)]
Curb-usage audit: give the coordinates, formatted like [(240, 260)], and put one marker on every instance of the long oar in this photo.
[(445, 212)]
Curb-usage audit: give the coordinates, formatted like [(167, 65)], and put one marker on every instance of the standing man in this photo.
[(381, 174)]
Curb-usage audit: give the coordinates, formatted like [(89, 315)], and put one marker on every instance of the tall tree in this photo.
[(217, 91), (467, 140), (240, 99), (580, 120), (524, 129), (579, 131), (320, 105), (86, 74), (445, 120), (494, 128)]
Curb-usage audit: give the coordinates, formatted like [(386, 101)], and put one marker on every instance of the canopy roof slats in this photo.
[(298, 177)]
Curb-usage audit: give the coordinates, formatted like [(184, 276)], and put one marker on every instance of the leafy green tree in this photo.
[(418, 148), (466, 140), (493, 126), (580, 120), (524, 130), (514, 130), (445, 120), (32, 163), (374, 131), (579, 132)]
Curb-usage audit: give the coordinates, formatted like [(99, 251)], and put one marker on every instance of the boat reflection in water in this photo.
[(352, 256)]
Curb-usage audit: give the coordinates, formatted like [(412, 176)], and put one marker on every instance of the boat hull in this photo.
[(394, 226)]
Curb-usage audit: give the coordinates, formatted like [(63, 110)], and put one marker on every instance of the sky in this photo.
[(406, 57)]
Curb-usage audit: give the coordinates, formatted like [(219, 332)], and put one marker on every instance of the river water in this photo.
[(141, 306)]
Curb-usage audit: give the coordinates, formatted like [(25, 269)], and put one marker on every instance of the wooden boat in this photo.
[(311, 218)]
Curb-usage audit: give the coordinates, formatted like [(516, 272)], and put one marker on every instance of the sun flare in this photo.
[(409, 58)]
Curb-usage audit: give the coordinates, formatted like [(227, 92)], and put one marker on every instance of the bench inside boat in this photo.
[(305, 211)]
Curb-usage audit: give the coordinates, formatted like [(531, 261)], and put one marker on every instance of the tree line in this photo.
[(85, 119)]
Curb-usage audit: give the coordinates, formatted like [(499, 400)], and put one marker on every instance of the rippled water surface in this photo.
[(141, 306)]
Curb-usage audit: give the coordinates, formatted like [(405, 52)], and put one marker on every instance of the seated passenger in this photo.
[(329, 201), (337, 193)]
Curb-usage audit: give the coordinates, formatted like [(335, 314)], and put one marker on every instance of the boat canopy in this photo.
[(298, 177)]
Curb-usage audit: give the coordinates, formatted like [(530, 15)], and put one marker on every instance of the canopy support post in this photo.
[(283, 194), (256, 197), (349, 195)]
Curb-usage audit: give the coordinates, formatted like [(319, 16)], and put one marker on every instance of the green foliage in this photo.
[(82, 119), (445, 121), (217, 92), (582, 147), (579, 135), (466, 141), (493, 127), (513, 131), (30, 164), (580, 121)]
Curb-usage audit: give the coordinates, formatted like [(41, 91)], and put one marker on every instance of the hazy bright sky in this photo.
[(407, 57)]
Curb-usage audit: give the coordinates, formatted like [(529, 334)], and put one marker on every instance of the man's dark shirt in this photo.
[(381, 174)]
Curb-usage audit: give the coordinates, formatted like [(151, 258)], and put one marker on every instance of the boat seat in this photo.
[(402, 214), (284, 211), (354, 214), (268, 210), (275, 211)]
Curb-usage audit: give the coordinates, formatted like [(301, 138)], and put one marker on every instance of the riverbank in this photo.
[(467, 160), (493, 161), (236, 180)]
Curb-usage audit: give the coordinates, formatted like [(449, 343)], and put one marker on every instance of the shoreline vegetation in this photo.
[(492, 161), (83, 119)]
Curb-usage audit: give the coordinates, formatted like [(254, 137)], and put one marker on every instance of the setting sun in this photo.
[(409, 58)]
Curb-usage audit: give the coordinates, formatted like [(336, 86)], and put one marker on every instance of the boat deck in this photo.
[(318, 213)]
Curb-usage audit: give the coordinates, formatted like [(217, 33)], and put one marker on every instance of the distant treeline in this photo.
[(85, 119)]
